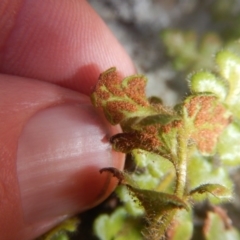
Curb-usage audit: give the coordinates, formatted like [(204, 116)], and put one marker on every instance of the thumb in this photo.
[(54, 145)]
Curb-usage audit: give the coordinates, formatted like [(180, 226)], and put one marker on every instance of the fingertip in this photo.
[(60, 153), (53, 145), (64, 42)]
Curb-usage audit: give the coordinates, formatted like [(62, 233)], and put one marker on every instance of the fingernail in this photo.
[(60, 152)]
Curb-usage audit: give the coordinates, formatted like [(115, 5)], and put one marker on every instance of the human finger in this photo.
[(52, 145), (63, 42)]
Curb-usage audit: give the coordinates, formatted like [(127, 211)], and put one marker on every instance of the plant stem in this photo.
[(181, 164), (158, 232), (181, 178)]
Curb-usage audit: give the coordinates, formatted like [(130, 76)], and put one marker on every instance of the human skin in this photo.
[(52, 141)]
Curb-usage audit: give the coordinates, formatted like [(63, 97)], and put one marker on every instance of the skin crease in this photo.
[(51, 52)]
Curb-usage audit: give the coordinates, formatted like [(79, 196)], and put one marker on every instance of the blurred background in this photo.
[(142, 28)]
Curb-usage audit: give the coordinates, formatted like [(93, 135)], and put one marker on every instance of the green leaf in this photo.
[(160, 209), (161, 119), (216, 190), (181, 227), (211, 42), (61, 231), (205, 118), (206, 82), (151, 172), (229, 68), (157, 203), (202, 171), (168, 135), (117, 226), (228, 145), (131, 203), (121, 99), (189, 51), (215, 228), (153, 167)]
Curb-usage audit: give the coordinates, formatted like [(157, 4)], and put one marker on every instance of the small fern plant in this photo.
[(182, 155)]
